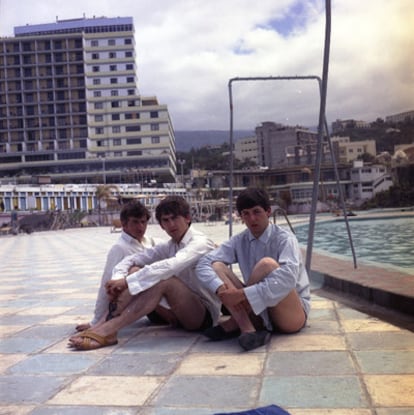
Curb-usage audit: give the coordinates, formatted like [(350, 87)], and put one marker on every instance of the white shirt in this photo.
[(124, 246), (167, 259), (246, 250)]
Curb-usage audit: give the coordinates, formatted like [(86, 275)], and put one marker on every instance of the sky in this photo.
[(188, 50)]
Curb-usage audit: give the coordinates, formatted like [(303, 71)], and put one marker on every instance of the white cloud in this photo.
[(187, 50)]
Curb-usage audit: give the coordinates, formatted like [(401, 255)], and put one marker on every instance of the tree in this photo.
[(103, 195)]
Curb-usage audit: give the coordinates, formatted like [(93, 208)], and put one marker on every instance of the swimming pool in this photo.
[(376, 240)]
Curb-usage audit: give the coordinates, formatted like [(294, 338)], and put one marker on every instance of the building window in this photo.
[(155, 127), (94, 43), (155, 140), (115, 104), (116, 117), (131, 128), (111, 42), (98, 105), (134, 141), (114, 80), (112, 68), (97, 93), (154, 114), (129, 66), (128, 54), (98, 118), (130, 79), (96, 81), (128, 41), (95, 68), (95, 56), (112, 55), (99, 130), (116, 129), (117, 142)]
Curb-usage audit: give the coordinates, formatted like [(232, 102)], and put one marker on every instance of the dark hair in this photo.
[(172, 205), (252, 197), (133, 209)]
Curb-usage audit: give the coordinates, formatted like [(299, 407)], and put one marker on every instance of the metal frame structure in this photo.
[(322, 126)]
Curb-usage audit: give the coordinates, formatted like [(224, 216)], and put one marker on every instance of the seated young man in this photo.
[(166, 271), (275, 294), (134, 218)]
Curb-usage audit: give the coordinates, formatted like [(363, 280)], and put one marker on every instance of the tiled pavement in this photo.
[(345, 362)]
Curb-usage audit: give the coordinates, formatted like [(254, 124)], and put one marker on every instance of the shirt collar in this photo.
[(130, 239), (264, 237)]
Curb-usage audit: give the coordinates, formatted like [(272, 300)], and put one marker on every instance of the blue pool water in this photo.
[(379, 241)]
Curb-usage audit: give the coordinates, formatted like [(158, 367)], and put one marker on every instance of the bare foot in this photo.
[(83, 327)]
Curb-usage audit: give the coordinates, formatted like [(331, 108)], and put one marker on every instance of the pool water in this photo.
[(381, 241)]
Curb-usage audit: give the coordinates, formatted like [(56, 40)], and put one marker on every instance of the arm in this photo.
[(171, 264), (226, 254)]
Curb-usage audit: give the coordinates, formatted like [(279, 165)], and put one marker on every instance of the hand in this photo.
[(115, 287), (231, 296)]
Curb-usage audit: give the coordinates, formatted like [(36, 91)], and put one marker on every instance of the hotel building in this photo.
[(70, 109)]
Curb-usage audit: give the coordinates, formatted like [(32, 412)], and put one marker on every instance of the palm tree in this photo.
[(103, 194)]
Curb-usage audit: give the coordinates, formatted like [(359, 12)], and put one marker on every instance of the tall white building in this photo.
[(70, 109)]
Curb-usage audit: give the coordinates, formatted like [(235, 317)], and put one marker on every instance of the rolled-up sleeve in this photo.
[(175, 260), (205, 273)]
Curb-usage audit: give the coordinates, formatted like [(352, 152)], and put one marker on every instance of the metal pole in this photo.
[(322, 110), (231, 162)]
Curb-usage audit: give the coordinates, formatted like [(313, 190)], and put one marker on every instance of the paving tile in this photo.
[(137, 364), (313, 392), (54, 364), (382, 362), (307, 342), (82, 410), (177, 411), (208, 391), (324, 411), (222, 365), (400, 340), (108, 391), (311, 363), (28, 389), (16, 410), (321, 314), (391, 390), (368, 325), (8, 360), (22, 345), (395, 411), (160, 344)]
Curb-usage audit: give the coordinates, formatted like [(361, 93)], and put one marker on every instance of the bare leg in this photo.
[(288, 315), (240, 317), (185, 305)]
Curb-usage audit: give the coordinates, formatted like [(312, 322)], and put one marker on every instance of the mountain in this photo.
[(186, 140)]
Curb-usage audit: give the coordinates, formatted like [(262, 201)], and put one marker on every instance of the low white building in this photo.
[(368, 180)]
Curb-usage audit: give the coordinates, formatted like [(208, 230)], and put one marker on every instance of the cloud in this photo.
[(187, 50)]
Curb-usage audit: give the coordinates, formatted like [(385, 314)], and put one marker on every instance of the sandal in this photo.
[(87, 336)]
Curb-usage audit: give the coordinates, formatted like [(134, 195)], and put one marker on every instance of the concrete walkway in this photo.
[(345, 362)]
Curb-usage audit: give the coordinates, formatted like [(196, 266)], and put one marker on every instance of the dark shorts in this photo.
[(155, 318)]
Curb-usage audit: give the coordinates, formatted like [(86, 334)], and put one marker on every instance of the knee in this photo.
[(267, 264)]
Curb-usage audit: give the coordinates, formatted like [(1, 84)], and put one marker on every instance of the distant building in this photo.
[(246, 149), (402, 116), (368, 180), (340, 125), (347, 151), (70, 107), (280, 145)]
